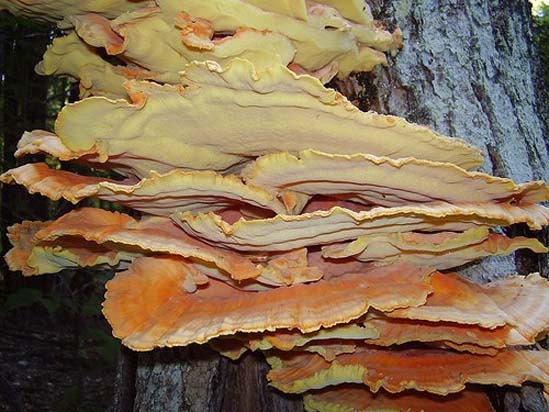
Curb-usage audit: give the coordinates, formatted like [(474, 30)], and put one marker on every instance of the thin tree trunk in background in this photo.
[(468, 70)]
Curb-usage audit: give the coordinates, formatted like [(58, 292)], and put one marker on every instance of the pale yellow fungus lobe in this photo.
[(158, 194), (56, 10), (233, 114), (443, 250), (320, 37), (385, 181), (285, 232)]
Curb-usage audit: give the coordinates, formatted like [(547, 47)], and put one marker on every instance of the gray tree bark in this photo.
[(197, 379), (468, 69)]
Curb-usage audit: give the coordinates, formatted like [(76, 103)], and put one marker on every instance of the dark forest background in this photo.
[(56, 351)]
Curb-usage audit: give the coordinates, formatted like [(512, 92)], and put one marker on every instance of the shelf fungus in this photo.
[(285, 232), (431, 322), (268, 213), (383, 181), (147, 48), (232, 114), (320, 34), (158, 235), (218, 309), (443, 250), (349, 398), (57, 10), (398, 370), (287, 340), (52, 257), (154, 40), (70, 56), (397, 331), (157, 194)]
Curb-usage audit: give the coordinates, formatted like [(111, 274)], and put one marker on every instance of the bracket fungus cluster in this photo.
[(273, 214)]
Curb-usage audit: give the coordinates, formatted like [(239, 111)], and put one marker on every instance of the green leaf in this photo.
[(51, 305), (22, 298), (92, 307), (98, 335), (109, 347), (109, 351), (69, 305)]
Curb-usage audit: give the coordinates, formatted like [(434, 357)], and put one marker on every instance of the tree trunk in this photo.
[(197, 379), (468, 69)]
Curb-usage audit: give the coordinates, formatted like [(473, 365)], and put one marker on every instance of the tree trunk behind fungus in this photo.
[(468, 69)]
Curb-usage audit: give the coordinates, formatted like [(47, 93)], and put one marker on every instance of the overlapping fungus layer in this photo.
[(275, 215)]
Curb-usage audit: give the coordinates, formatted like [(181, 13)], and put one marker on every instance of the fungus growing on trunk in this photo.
[(285, 232), (154, 40), (152, 235), (352, 398), (57, 10), (384, 181), (398, 370), (443, 250), (234, 114), (274, 214), (158, 194), (219, 309)]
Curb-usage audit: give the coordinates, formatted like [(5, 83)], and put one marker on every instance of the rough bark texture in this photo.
[(196, 379), (467, 70)]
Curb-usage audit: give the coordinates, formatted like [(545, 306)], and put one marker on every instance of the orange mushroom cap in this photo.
[(51, 257), (521, 302), (350, 398), (433, 370), (147, 309)]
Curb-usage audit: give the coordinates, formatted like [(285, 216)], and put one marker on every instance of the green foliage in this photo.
[(541, 26), (104, 345), (26, 297), (93, 340)]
